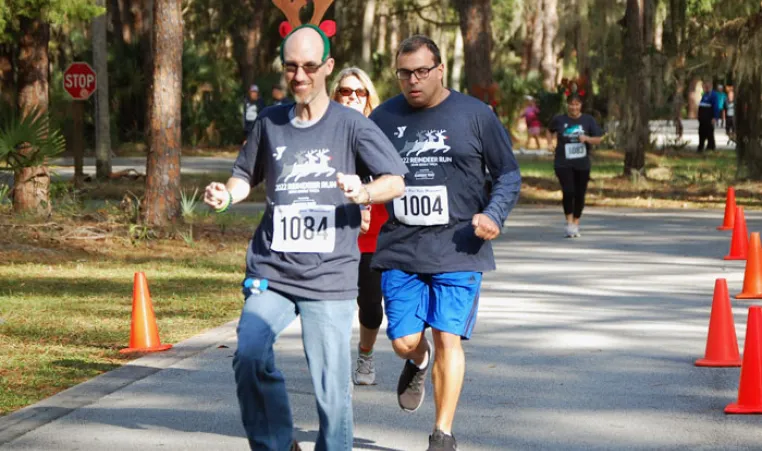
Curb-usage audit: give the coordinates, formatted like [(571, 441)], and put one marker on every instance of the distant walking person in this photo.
[(252, 106), (576, 133), (730, 115), (709, 111)]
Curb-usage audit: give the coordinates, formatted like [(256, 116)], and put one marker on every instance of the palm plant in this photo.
[(26, 142)]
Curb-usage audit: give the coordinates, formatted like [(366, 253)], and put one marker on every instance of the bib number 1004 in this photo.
[(304, 228), (423, 205)]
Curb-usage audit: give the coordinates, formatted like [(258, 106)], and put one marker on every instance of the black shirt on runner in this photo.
[(306, 243), (570, 153), (447, 149)]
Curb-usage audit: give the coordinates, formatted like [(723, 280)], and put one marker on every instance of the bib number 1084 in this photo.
[(423, 205), (304, 228)]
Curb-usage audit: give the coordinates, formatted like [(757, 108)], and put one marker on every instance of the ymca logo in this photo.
[(427, 141), (279, 152), (308, 162), (400, 131)]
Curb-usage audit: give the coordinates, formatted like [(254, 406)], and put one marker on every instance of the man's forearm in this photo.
[(385, 188), (239, 189), (505, 193)]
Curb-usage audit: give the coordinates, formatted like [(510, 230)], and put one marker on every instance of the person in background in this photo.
[(708, 113), (279, 95), (730, 115), (577, 133), (531, 115), (252, 106), (354, 89), (722, 97)]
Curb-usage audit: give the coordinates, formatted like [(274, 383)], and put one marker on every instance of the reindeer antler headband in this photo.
[(291, 9)]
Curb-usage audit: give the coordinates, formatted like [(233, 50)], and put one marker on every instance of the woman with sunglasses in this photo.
[(354, 89)]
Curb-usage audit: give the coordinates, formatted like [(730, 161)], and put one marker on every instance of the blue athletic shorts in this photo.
[(447, 302)]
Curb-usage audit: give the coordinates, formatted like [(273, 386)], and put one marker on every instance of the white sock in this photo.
[(425, 362)]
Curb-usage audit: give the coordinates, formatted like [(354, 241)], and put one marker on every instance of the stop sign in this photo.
[(79, 81)]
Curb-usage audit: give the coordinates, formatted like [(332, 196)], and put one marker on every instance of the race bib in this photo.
[(575, 150), (304, 228), (423, 206)]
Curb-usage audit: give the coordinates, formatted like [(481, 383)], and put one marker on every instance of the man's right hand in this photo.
[(215, 195)]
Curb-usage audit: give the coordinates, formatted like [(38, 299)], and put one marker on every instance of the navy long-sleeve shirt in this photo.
[(452, 152)]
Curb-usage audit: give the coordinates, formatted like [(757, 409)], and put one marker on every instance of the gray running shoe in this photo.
[(439, 441), (569, 231), (365, 372), (575, 231), (411, 385)]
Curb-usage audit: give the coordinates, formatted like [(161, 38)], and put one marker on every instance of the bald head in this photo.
[(307, 64), (305, 44)]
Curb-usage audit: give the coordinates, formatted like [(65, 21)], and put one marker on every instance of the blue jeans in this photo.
[(261, 388)]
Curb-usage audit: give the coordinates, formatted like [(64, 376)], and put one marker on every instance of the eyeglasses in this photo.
[(309, 68), (421, 73), (359, 92)]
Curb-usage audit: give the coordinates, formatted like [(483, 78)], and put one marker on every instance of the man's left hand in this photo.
[(484, 227), (365, 220)]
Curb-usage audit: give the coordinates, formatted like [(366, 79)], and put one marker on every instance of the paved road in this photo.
[(584, 344)]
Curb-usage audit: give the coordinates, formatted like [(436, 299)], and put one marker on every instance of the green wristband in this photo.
[(227, 204)]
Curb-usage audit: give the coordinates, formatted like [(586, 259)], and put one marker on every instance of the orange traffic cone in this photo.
[(721, 342), (739, 242), (752, 278), (730, 210), (144, 336), (750, 386)]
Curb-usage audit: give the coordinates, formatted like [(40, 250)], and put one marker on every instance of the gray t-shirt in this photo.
[(306, 244)]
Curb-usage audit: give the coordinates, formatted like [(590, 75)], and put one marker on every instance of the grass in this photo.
[(66, 292), (675, 180)]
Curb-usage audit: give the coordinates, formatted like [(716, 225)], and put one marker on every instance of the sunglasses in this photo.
[(309, 68), (359, 92)]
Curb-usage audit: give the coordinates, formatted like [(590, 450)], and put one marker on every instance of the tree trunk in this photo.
[(537, 33), (475, 26), (368, 20), (146, 51), (102, 117), (161, 204), (549, 34), (115, 15), (394, 36), (674, 44), (749, 127), (7, 84), (634, 129), (247, 41), (383, 20), (31, 191), (583, 55), (456, 73)]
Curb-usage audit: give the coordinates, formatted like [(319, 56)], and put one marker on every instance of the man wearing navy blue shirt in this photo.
[(436, 245), (708, 114)]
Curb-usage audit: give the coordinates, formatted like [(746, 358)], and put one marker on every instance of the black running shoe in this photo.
[(411, 386), (439, 441)]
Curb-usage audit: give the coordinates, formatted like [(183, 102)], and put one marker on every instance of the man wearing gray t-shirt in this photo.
[(303, 258)]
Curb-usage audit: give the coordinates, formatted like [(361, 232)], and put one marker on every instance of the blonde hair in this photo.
[(373, 100)]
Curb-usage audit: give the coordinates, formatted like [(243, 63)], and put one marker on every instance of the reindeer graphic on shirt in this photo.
[(426, 141), (309, 163)]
